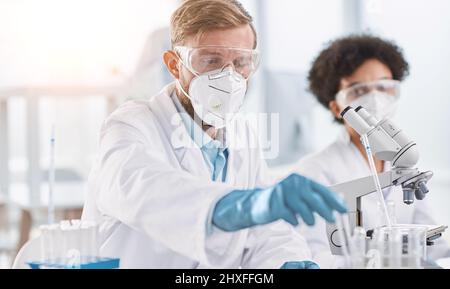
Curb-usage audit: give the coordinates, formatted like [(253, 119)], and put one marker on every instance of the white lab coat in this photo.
[(341, 162), (152, 194)]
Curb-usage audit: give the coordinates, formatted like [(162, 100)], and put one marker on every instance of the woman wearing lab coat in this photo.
[(359, 70)]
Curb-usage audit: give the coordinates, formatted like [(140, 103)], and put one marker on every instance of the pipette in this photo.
[(51, 178), (374, 172)]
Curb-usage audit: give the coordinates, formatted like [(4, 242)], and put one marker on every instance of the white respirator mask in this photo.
[(381, 105), (217, 96)]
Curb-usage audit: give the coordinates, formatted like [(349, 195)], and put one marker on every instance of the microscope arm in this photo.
[(352, 191)]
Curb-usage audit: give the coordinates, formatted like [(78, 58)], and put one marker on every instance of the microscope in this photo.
[(388, 143)]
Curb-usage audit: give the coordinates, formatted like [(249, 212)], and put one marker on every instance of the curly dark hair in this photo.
[(342, 57)]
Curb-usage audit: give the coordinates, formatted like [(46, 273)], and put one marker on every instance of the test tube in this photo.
[(391, 212), (373, 255), (56, 243), (71, 249), (389, 243), (395, 248), (358, 252), (46, 250), (416, 247), (89, 241)]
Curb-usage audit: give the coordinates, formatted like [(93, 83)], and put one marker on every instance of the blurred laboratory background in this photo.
[(66, 64)]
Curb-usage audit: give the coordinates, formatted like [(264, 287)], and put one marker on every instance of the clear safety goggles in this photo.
[(204, 59), (386, 86)]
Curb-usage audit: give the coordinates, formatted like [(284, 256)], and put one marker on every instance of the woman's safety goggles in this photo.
[(385, 86), (204, 59)]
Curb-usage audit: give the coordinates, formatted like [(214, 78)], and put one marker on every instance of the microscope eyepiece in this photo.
[(359, 108), (346, 110)]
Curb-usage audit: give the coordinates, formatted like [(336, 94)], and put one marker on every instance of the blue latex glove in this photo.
[(292, 197), (300, 265)]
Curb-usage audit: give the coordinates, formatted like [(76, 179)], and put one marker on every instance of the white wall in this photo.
[(71, 42), (296, 32), (49, 41)]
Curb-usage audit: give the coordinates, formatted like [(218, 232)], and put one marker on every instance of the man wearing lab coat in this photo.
[(176, 186)]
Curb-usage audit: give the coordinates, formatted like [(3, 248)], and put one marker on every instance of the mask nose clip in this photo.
[(226, 71)]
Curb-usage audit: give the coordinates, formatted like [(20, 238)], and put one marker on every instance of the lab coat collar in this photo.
[(181, 141), (180, 137), (344, 137), (200, 137), (186, 150), (174, 126)]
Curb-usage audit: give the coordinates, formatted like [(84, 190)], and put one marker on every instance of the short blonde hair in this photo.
[(195, 17)]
